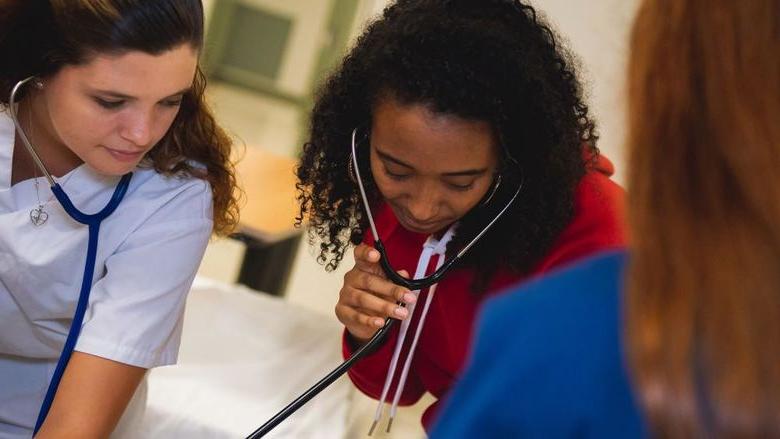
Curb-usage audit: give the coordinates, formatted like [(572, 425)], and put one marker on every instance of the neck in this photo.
[(55, 155)]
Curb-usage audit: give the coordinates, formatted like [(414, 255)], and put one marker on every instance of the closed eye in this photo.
[(173, 102), (109, 104), (396, 176), (461, 187)]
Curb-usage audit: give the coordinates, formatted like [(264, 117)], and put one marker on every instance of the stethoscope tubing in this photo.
[(23, 135), (322, 384), (93, 222)]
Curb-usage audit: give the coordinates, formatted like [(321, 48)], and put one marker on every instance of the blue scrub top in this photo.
[(548, 362)]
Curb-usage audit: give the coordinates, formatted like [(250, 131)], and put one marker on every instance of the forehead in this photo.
[(136, 73), (418, 136)]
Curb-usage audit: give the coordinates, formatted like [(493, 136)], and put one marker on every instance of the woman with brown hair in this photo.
[(680, 339), (105, 89)]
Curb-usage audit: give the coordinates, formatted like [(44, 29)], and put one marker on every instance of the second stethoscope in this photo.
[(411, 284), (93, 222)]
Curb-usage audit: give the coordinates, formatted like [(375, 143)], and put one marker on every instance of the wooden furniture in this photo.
[(267, 224)]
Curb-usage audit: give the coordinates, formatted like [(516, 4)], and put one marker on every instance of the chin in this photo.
[(113, 169)]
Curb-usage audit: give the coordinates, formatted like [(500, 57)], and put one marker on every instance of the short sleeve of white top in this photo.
[(148, 252)]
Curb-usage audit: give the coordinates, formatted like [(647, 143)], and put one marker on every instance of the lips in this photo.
[(416, 226), (424, 228), (125, 156)]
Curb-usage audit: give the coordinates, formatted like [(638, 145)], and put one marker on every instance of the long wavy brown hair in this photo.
[(703, 305), (39, 37)]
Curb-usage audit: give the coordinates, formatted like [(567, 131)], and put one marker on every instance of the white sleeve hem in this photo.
[(126, 354)]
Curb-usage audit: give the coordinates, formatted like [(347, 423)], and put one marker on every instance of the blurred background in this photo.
[(265, 59)]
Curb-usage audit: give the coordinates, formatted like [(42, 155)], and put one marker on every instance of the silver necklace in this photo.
[(38, 216)]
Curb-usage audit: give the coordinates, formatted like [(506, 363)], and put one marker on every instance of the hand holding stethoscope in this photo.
[(368, 297)]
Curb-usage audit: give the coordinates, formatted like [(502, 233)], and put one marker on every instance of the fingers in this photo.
[(366, 299), (351, 316), (377, 286), (373, 305), (366, 253), (362, 326), (367, 259)]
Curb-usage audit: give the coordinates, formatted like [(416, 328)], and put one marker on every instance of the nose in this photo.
[(423, 205), (137, 128)]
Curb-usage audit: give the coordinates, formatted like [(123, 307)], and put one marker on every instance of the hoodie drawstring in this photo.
[(432, 246)]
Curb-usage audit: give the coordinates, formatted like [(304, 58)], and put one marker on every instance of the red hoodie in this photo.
[(444, 342)]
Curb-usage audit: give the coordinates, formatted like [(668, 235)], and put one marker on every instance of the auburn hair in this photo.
[(703, 300)]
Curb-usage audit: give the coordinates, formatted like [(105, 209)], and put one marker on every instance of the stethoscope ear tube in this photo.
[(22, 135), (321, 385)]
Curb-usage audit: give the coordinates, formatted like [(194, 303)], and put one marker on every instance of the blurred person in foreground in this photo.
[(678, 337)]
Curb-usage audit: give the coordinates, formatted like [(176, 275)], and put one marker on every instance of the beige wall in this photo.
[(597, 32), (207, 5)]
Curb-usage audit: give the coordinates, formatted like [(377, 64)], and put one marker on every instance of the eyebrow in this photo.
[(467, 172), (118, 95)]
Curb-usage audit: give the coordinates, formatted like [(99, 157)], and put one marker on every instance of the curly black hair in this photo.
[(487, 60)]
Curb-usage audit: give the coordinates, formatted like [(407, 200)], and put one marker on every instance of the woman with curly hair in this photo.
[(108, 88), (454, 106)]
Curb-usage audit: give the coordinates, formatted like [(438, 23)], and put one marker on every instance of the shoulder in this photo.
[(597, 197), (158, 204), (178, 196), (598, 223), (556, 349), (593, 282), (544, 315)]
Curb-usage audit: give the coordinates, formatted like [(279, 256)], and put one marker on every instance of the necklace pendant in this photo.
[(38, 216)]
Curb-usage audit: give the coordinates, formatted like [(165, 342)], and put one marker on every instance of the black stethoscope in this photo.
[(93, 221), (411, 284)]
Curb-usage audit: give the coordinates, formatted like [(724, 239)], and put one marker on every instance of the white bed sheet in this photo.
[(244, 355)]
